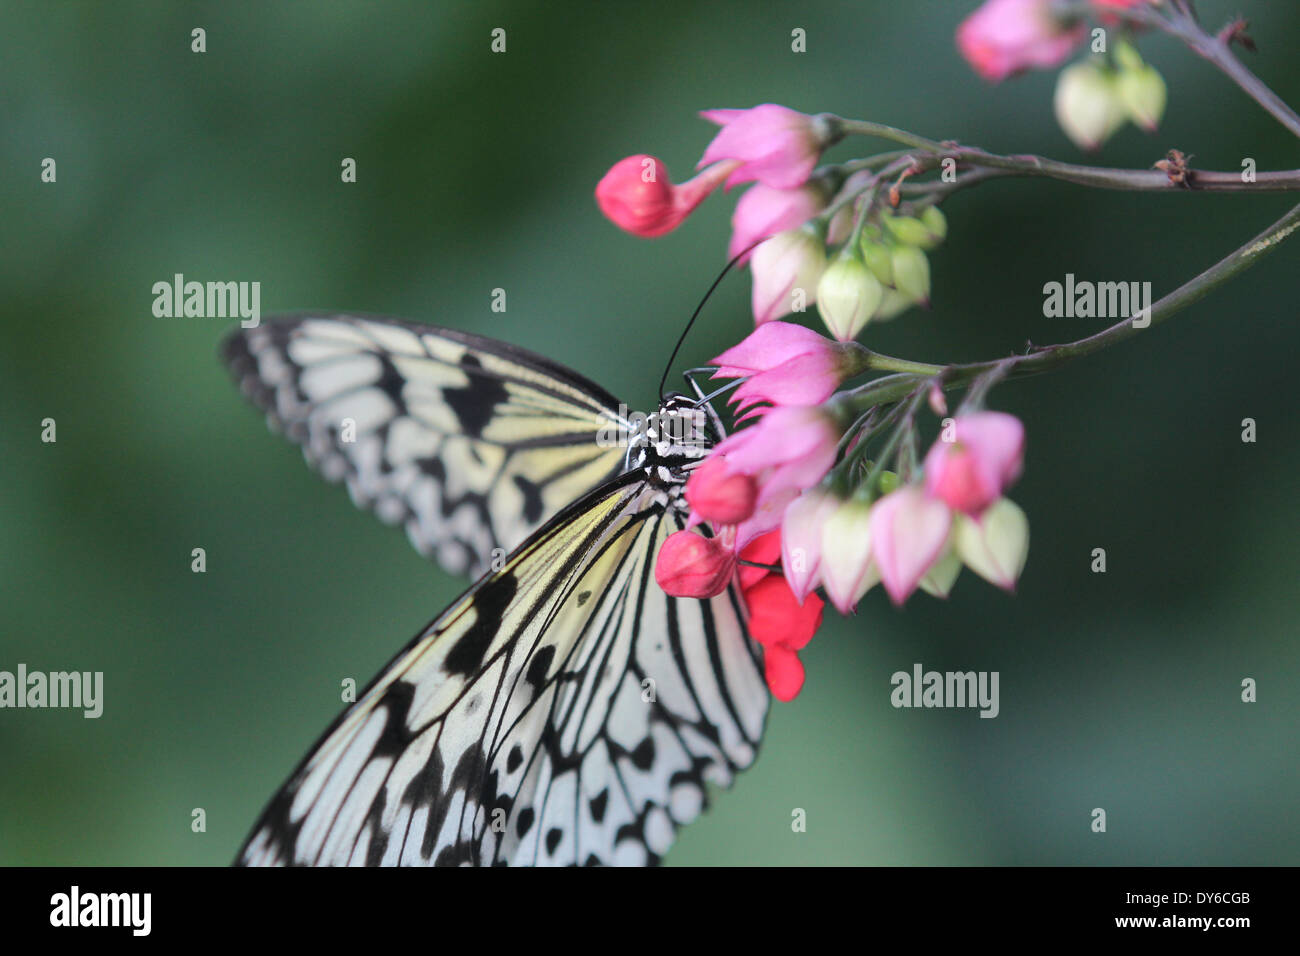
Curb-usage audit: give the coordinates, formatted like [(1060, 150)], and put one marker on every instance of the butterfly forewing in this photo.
[(470, 444)]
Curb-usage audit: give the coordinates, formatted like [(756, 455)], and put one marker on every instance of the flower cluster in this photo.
[(794, 504), (917, 535), (1005, 37), (1094, 97), (856, 264), (882, 275), (775, 493), (770, 145)]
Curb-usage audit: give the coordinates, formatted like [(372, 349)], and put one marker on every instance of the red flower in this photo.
[(765, 549), (691, 565), (777, 620), (717, 495), (784, 672), (637, 196), (984, 458)]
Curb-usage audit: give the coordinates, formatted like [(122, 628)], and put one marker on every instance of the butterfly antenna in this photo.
[(706, 399), (663, 380)]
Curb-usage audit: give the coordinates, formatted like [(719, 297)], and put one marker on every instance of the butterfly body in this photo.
[(564, 710)]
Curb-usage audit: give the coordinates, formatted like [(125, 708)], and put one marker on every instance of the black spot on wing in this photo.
[(490, 604), (524, 823), (598, 804), (553, 838), (515, 758), (468, 772), (391, 382), (434, 468), (396, 736), (378, 836), (643, 757), (539, 665), (532, 493), (476, 402)]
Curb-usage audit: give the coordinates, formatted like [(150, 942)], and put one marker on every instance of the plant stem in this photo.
[(1181, 24), (892, 388), (1102, 177), (887, 363)]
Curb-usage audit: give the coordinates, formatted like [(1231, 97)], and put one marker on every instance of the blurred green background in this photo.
[(476, 171)]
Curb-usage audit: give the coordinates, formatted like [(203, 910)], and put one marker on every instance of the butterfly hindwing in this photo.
[(564, 710), (469, 443)]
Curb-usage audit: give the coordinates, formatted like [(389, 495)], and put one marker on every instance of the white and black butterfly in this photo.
[(564, 710)]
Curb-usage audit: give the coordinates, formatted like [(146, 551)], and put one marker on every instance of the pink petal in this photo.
[(767, 347), (764, 211), (908, 534), (998, 439), (803, 380)]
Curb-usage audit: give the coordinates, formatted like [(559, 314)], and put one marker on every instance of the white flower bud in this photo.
[(1088, 105), (847, 296)]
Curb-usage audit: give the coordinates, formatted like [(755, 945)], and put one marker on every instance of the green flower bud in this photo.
[(1127, 56), (1143, 93), (1088, 105), (936, 222), (995, 546), (892, 305), (912, 274), (888, 482), (847, 296), (878, 259), (908, 230), (938, 581)]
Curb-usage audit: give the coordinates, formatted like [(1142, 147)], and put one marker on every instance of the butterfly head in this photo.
[(672, 439)]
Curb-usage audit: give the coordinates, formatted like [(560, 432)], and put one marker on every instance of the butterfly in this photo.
[(564, 710)]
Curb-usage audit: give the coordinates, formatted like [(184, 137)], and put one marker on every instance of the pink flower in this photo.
[(788, 364), (909, 532), (691, 565), (637, 196), (764, 211), (1006, 36), (717, 495), (766, 517), (790, 449), (775, 145), (786, 271), (984, 458), (801, 539), (1116, 6)]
